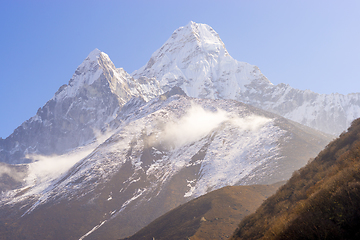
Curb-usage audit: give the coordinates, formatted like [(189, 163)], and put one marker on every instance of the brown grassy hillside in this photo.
[(212, 216), (320, 201)]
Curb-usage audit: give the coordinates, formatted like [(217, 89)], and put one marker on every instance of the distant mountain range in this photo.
[(110, 152)]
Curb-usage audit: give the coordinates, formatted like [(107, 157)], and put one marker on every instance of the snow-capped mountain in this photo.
[(78, 111), (195, 59), (163, 153), (112, 151)]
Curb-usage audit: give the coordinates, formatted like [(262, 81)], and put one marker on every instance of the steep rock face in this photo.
[(195, 59), (162, 154), (78, 110)]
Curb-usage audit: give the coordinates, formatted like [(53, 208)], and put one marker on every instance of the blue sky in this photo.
[(307, 44)]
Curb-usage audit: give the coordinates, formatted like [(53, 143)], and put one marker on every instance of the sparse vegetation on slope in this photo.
[(212, 216), (320, 201)]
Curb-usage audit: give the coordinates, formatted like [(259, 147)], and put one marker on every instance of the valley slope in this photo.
[(211, 216), (320, 201)]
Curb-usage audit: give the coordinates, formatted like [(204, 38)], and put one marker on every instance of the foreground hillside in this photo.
[(320, 201), (212, 216)]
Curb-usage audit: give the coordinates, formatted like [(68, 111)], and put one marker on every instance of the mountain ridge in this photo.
[(86, 104), (124, 149), (146, 168), (201, 72), (217, 75)]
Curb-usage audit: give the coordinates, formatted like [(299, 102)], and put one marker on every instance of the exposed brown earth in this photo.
[(212, 216)]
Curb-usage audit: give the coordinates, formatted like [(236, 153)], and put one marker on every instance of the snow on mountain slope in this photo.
[(164, 148), (78, 110), (195, 59), (330, 113), (162, 154)]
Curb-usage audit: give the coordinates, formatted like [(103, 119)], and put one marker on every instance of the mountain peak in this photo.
[(86, 73), (193, 26), (182, 53), (194, 39), (195, 59), (207, 38), (93, 55), (191, 23)]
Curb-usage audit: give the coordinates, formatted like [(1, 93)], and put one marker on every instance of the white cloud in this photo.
[(252, 122), (198, 122), (45, 169), (14, 173), (194, 125)]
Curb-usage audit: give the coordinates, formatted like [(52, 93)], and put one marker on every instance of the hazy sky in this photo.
[(307, 44)]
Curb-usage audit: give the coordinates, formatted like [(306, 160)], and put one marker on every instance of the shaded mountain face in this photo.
[(70, 119), (211, 216), (320, 201), (78, 112), (163, 153)]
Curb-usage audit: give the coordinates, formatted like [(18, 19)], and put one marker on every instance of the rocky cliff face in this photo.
[(78, 111), (195, 59)]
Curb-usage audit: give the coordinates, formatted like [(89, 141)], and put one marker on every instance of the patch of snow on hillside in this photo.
[(235, 152)]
